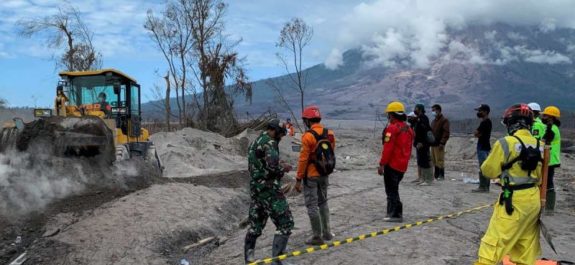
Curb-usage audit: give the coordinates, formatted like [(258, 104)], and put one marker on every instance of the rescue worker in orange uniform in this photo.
[(314, 184), (514, 225)]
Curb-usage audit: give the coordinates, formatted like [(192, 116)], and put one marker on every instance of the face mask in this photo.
[(479, 115), (433, 114)]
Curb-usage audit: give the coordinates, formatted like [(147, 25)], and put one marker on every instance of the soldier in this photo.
[(267, 199)]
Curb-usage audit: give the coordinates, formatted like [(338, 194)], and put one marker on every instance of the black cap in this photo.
[(483, 107)]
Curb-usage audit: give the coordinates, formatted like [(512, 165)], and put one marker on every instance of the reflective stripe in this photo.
[(522, 180), (505, 148), (517, 180)]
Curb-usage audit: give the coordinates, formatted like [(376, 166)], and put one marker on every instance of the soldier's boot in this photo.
[(249, 248), (316, 239), (550, 203), (279, 247), (325, 228)]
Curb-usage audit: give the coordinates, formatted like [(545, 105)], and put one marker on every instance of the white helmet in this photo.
[(534, 106)]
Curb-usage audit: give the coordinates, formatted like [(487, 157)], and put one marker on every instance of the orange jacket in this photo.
[(308, 143)]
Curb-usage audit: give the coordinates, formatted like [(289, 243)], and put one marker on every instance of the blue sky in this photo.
[(29, 75), (382, 29)]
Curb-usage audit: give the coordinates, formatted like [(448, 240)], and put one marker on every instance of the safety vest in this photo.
[(516, 175), (538, 128)]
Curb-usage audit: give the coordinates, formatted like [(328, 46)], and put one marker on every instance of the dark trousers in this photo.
[(484, 182), (550, 175), (423, 156), (391, 179)]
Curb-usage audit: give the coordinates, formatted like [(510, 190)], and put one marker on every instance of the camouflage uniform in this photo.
[(265, 188)]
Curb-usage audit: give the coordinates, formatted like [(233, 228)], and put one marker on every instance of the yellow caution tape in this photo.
[(366, 236)]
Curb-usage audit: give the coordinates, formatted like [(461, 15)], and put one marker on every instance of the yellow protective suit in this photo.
[(516, 234)]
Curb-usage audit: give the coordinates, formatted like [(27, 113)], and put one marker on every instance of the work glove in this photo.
[(380, 170), (549, 135), (298, 186), (419, 146)]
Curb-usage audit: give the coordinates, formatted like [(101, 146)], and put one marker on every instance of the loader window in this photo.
[(135, 99)]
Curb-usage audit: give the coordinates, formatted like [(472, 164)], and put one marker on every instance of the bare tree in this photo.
[(67, 29), (213, 61), (172, 33), (294, 37), (167, 100)]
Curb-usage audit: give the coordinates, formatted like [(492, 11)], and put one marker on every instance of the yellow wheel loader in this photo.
[(97, 114)]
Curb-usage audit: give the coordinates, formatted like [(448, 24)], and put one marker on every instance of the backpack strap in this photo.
[(318, 136)]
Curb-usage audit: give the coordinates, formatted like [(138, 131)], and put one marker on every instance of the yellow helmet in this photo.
[(552, 111), (395, 106)]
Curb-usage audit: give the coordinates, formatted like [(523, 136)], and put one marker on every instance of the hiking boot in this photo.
[(416, 181), (315, 241), (328, 237), (480, 190), (425, 184), (279, 247), (393, 219), (249, 248)]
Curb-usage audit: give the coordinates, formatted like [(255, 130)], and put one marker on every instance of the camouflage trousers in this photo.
[(275, 207)]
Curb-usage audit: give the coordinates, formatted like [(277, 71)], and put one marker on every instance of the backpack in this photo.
[(323, 156), (528, 158)]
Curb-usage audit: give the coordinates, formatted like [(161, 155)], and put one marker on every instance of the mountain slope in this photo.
[(498, 65)]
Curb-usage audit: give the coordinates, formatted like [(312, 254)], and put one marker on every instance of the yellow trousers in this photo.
[(438, 156), (516, 234)]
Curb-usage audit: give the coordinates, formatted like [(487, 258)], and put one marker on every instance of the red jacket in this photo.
[(397, 140)]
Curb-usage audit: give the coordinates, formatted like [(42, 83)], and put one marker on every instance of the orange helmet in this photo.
[(311, 112)]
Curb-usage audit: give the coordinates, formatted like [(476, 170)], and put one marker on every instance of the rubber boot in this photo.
[(427, 175), (419, 179), (279, 247), (325, 229), (484, 184), (441, 175), (316, 239), (249, 248), (550, 203)]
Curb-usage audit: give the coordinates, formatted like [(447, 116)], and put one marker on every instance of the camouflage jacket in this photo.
[(264, 166)]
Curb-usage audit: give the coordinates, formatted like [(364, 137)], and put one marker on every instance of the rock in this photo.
[(51, 232)]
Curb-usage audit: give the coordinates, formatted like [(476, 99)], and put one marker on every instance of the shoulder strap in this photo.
[(317, 136), (519, 139)]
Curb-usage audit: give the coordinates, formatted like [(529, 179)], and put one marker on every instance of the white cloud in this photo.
[(334, 59), (459, 52), (539, 56), (548, 24), (423, 24)]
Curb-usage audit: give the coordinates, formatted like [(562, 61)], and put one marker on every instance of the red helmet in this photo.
[(518, 112), (311, 112)]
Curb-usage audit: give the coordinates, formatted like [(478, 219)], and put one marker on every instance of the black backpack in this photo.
[(529, 158), (323, 156)]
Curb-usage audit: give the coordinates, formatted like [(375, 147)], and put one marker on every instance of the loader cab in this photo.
[(108, 94)]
